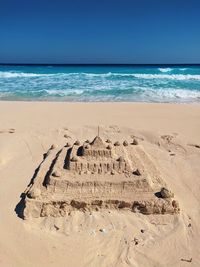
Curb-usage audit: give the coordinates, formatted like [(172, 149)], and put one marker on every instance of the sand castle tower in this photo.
[(96, 157)]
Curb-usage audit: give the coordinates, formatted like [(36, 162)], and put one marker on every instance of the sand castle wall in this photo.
[(36, 209), (98, 167), (98, 188), (96, 153)]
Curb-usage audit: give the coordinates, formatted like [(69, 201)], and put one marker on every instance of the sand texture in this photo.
[(126, 193)]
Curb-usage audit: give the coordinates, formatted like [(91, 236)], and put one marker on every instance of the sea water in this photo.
[(145, 83)]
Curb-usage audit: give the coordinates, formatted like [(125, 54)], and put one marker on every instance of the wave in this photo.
[(182, 69), (64, 92), (102, 75), (140, 94), (168, 76), (173, 95), (10, 74), (143, 75), (131, 94), (165, 69)]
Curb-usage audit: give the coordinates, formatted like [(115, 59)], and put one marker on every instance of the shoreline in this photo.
[(101, 102)]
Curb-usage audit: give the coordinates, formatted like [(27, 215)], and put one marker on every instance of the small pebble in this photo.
[(56, 227)]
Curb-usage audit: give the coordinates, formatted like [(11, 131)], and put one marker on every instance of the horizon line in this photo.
[(100, 64)]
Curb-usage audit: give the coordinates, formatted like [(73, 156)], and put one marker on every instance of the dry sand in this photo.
[(170, 134)]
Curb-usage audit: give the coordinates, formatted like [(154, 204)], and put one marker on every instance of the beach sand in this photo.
[(169, 133)]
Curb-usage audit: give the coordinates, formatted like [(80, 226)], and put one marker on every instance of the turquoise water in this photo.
[(101, 83)]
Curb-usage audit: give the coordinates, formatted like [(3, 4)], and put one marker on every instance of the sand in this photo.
[(169, 133)]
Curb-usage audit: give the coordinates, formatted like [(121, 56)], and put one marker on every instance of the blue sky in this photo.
[(103, 31)]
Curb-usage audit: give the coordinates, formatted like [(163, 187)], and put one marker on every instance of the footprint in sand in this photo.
[(169, 142), (168, 138), (114, 128), (66, 135), (137, 137), (11, 130), (194, 145)]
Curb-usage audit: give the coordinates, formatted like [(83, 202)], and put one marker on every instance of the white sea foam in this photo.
[(102, 75), (165, 69), (146, 76), (9, 74), (160, 95), (175, 95), (168, 76), (65, 92)]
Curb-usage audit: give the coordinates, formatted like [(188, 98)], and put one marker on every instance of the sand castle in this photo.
[(97, 175)]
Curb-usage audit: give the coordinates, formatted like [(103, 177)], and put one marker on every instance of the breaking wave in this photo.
[(101, 75), (165, 69), (177, 77), (6, 74)]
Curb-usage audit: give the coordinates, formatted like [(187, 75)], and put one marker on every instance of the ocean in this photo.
[(137, 83)]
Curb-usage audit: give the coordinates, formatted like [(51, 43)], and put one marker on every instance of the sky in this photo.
[(100, 31)]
